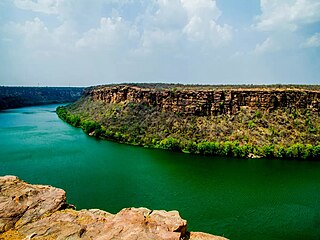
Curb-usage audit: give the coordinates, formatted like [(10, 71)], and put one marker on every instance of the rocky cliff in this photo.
[(281, 122), (41, 212), (209, 101)]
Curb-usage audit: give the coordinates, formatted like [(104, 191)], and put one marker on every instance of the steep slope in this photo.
[(244, 122)]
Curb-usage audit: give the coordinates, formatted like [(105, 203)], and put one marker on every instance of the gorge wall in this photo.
[(206, 102)]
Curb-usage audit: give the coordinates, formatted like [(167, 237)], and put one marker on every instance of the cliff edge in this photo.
[(41, 212), (206, 101)]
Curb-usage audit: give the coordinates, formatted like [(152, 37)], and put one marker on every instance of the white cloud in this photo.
[(207, 9), (36, 36), (86, 42), (268, 45), (34, 32), (169, 15), (187, 21), (313, 41), (158, 38), (202, 25), (208, 31), (161, 22), (283, 20), (162, 26), (43, 6), (112, 32), (278, 42), (288, 15)]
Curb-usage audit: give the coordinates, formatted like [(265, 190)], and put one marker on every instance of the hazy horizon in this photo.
[(87, 43), (177, 83)]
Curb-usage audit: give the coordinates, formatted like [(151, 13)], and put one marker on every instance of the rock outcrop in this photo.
[(206, 102), (41, 212)]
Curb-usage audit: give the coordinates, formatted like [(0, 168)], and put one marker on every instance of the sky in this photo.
[(93, 42)]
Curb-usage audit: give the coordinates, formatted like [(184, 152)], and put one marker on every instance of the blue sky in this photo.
[(83, 43)]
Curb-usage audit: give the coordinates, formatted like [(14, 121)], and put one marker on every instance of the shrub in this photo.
[(267, 151), (308, 151), (280, 152), (170, 143), (208, 148), (297, 150), (89, 126), (244, 150), (109, 134), (74, 120), (316, 152), (191, 147), (258, 114), (251, 124), (225, 148)]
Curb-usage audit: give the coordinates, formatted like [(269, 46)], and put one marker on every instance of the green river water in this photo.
[(236, 198)]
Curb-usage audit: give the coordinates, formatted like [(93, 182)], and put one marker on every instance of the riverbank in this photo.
[(42, 212), (280, 130)]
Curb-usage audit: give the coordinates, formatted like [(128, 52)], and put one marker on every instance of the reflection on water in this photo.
[(28, 112), (237, 198)]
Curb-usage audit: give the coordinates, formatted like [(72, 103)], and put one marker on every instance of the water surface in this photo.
[(240, 199)]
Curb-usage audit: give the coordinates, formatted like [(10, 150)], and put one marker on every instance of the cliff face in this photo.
[(41, 212), (209, 102)]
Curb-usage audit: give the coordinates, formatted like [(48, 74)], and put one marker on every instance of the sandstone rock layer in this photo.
[(208, 102), (41, 212)]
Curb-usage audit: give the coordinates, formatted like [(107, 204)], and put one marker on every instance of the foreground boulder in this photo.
[(41, 212)]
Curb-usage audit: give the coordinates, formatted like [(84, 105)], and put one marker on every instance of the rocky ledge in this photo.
[(41, 212), (208, 101)]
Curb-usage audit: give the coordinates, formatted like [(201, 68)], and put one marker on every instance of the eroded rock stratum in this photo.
[(41, 212), (208, 102)]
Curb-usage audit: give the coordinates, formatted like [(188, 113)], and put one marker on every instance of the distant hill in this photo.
[(14, 97)]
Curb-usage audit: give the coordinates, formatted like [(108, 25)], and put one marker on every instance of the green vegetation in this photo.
[(283, 133), (14, 97)]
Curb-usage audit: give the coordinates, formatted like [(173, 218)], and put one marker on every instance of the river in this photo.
[(235, 198)]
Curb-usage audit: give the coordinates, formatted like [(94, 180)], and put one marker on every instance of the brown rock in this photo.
[(204, 236), (208, 102), (22, 203), (40, 212)]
